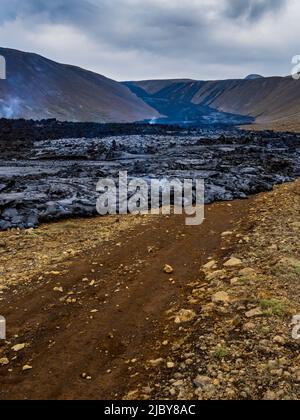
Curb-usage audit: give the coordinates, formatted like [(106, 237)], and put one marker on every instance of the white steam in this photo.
[(153, 121), (10, 108)]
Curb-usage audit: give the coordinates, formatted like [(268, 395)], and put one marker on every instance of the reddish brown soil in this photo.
[(131, 294)]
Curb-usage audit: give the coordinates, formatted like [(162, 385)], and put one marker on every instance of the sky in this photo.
[(157, 39)]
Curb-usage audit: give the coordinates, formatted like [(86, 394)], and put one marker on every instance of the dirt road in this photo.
[(89, 322)]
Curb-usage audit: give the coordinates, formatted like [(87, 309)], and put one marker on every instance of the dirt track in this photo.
[(108, 309)]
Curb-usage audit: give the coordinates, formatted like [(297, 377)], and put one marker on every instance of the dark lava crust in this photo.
[(49, 170)]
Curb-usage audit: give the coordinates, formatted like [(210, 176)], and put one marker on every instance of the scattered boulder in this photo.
[(270, 396), (224, 234), (279, 340), (234, 281), (170, 365), (233, 262), (219, 274), (19, 347), (254, 313), (249, 326), (185, 315), (210, 265), (203, 382), (168, 269), (221, 297), (26, 368), (156, 362), (247, 272)]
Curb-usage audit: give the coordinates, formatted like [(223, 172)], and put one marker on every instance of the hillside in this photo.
[(267, 100), (40, 88), (272, 102), (174, 100)]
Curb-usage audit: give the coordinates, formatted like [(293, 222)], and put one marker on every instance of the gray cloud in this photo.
[(128, 39), (55, 10), (252, 9)]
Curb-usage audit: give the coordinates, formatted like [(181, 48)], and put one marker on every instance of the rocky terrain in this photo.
[(233, 338), (52, 179), (17, 136), (214, 322)]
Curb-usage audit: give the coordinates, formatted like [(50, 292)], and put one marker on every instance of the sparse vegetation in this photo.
[(297, 269), (221, 352), (273, 307)]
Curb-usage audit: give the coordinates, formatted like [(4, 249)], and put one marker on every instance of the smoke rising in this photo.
[(10, 108)]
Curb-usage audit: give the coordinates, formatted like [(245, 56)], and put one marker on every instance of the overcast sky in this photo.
[(143, 39)]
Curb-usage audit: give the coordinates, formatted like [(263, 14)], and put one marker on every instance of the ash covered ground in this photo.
[(44, 179)]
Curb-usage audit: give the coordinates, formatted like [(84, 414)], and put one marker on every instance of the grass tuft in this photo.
[(273, 307), (221, 352)]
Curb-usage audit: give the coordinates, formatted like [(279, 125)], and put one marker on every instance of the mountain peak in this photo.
[(254, 77)]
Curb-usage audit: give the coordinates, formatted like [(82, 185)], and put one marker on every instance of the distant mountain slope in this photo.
[(40, 88), (254, 77), (265, 99), (273, 101), (174, 100)]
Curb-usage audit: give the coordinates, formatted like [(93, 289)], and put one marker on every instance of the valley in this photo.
[(69, 93)]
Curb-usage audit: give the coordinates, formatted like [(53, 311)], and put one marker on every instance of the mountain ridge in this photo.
[(39, 88), (64, 92), (272, 101)]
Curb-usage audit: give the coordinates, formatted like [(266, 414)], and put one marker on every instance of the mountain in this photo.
[(174, 100), (272, 102), (39, 88), (253, 77)]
